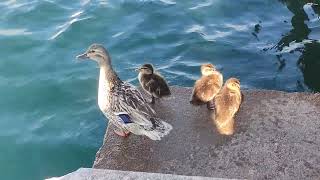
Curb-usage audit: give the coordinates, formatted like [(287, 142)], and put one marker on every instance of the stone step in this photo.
[(106, 174), (277, 136)]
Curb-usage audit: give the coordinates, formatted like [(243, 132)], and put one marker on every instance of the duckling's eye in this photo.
[(91, 51)]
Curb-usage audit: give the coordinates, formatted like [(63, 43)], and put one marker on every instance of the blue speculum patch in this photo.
[(125, 118)]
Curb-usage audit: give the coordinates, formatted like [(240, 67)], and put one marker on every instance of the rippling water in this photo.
[(50, 124)]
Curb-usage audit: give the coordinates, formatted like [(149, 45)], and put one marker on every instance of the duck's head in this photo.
[(207, 69), (97, 53), (145, 69), (233, 84)]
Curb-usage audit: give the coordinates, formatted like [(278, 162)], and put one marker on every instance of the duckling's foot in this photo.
[(210, 105), (122, 133)]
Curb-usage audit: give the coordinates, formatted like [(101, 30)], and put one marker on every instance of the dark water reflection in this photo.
[(309, 60)]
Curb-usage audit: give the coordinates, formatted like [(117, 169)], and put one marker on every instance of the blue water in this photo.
[(50, 123)]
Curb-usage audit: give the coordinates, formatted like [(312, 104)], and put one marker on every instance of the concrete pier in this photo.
[(277, 137), (105, 174)]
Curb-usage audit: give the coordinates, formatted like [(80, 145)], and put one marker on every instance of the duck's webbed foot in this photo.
[(122, 133), (210, 104)]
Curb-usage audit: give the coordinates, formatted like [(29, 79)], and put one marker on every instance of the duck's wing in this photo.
[(130, 111), (158, 86), (194, 99), (163, 89), (126, 99)]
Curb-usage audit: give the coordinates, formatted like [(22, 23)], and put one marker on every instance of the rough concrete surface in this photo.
[(277, 137), (105, 174)]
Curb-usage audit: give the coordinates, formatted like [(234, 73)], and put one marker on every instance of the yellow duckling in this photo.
[(207, 87), (227, 104)]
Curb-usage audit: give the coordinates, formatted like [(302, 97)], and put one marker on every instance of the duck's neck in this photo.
[(107, 80), (108, 77)]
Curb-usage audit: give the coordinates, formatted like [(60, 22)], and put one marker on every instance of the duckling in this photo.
[(152, 82), (121, 102), (227, 103), (206, 88)]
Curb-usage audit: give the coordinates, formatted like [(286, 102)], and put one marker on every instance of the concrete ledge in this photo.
[(98, 174), (277, 136)]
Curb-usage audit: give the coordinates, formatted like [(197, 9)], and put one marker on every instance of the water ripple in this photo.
[(103, 2), (117, 34), (201, 5), (295, 46), (65, 26), (208, 37), (85, 2), (14, 32), (13, 4), (76, 14), (312, 15), (41, 122), (168, 2), (239, 27)]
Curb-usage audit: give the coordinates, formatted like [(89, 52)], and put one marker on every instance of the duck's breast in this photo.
[(103, 91)]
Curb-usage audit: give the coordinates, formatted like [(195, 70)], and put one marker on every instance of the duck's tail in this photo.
[(159, 129), (224, 125)]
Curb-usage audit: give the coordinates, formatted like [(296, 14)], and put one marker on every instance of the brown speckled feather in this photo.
[(206, 88), (227, 104), (155, 85)]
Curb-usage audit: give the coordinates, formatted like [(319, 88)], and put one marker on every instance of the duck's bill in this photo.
[(82, 56)]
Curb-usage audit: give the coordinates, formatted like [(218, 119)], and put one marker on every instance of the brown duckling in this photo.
[(206, 88), (227, 104), (153, 83)]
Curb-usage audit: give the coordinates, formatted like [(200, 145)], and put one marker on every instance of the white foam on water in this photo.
[(217, 35), (308, 9), (13, 4), (168, 2), (295, 45), (76, 14), (9, 3), (85, 2), (65, 26), (14, 32), (201, 5), (238, 27), (117, 34), (208, 37), (313, 22), (195, 28)]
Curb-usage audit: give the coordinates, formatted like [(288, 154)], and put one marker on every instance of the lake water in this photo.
[(50, 123)]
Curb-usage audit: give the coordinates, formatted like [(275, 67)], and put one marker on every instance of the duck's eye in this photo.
[(91, 51)]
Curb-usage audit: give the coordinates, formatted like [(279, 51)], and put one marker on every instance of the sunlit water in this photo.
[(50, 124)]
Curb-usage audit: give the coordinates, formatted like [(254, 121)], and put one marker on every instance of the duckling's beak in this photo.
[(138, 69), (83, 56)]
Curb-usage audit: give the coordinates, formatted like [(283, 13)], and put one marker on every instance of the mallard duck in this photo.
[(227, 104), (152, 82), (206, 88), (121, 102)]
